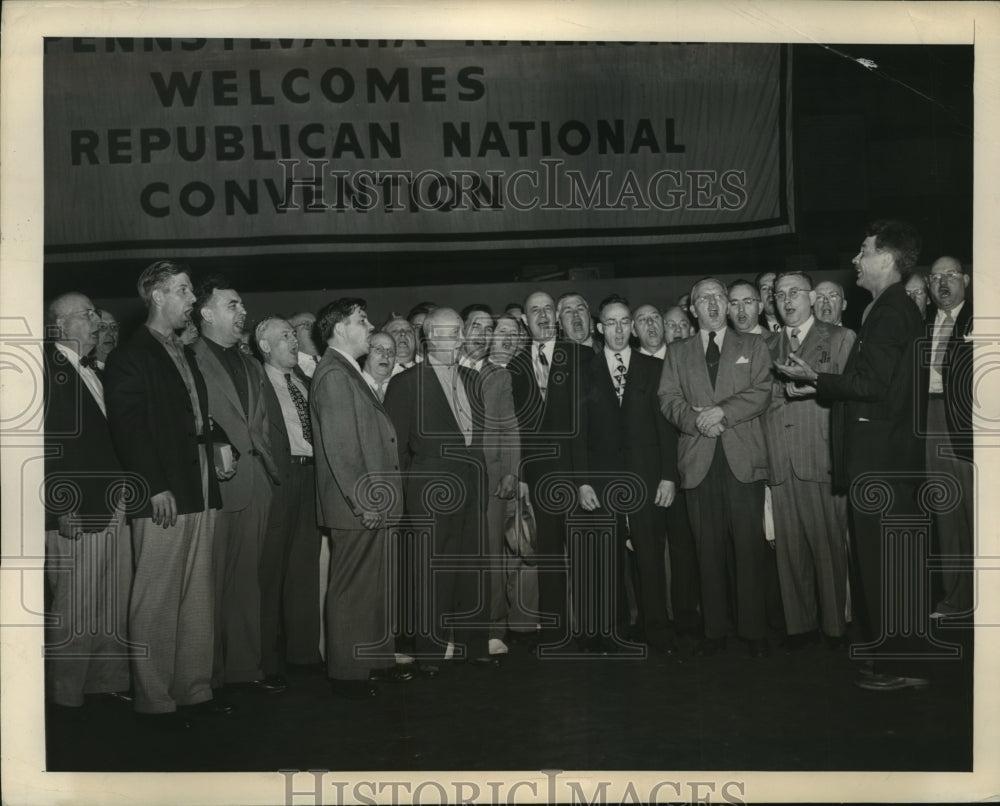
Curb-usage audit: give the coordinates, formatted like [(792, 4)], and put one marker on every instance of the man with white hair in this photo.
[(290, 553), (379, 363), (438, 414), (573, 313), (830, 303), (87, 542), (406, 342), (304, 323)]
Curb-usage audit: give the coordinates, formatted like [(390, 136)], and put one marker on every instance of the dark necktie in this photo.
[(301, 408), (88, 361), (712, 357), (543, 379), (793, 340), (620, 373), (775, 327)]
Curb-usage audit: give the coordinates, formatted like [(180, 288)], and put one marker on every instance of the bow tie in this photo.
[(88, 361)]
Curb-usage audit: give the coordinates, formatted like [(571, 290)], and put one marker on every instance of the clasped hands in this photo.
[(711, 421)]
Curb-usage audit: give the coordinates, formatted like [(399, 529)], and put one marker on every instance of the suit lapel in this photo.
[(355, 378), (212, 369), (435, 400)]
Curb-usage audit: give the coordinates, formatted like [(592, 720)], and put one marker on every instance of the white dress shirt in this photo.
[(87, 375)]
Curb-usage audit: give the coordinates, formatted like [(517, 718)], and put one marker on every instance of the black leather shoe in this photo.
[(219, 705), (392, 674), (486, 661), (272, 684), (759, 648), (428, 670), (354, 689), (710, 646), (888, 682)]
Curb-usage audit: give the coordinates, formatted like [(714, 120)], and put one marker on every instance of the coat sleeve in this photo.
[(874, 364), (125, 397), (397, 406), (672, 401), (752, 401), (337, 413)]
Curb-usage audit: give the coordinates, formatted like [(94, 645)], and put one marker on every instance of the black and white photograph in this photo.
[(506, 402)]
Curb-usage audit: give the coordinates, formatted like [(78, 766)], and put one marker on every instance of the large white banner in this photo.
[(192, 146)]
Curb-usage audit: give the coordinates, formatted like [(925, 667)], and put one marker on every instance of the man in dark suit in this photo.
[(289, 557), (547, 386), (438, 413), (87, 542), (629, 441), (235, 386), (876, 433), (158, 413), (769, 318), (358, 495), (810, 520), (714, 388), (949, 422)]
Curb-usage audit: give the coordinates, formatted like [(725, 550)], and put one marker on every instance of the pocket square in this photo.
[(742, 360)]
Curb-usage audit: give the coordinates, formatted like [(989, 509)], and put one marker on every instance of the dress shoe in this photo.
[(486, 661), (710, 646), (115, 696), (428, 670), (219, 705), (170, 722), (889, 682), (354, 689), (392, 674), (272, 684), (759, 648)]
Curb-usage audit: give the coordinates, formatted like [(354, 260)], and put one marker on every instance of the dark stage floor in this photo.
[(791, 711)]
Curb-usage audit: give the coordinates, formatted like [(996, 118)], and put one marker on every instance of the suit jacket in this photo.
[(78, 450), (357, 461), (248, 433), (797, 429), (558, 421), (956, 375), (277, 434), (883, 386), (152, 422), (742, 390), (430, 441), (633, 437), (501, 440)]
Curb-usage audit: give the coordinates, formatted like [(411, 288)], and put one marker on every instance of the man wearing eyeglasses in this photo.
[(714, 388), (676, 324), (87, 541), (876, 439), (830, 303), (949, 422), (379, 363), (810, 521), (916, 289), (745, 307)]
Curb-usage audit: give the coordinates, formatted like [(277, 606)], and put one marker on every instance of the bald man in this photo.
[(289, 556), (438, 413), (916, 289), (304, 324), (949, 424), (830, 304), (676, 324), (87, 541)]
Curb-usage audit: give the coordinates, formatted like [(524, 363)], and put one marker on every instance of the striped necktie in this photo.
[(620, 373)]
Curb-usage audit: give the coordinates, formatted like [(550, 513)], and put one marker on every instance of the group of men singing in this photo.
[(708, 469)]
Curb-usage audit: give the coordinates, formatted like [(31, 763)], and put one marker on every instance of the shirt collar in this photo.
[(720, 336), (940, 316), (803, 329)]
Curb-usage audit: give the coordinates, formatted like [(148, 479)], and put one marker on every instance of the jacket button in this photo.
[(395, 467)]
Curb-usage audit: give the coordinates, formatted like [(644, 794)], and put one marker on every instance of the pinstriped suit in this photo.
[(810, 521)]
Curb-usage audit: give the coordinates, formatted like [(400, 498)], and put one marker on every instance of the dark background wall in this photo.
[(896, 140)]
